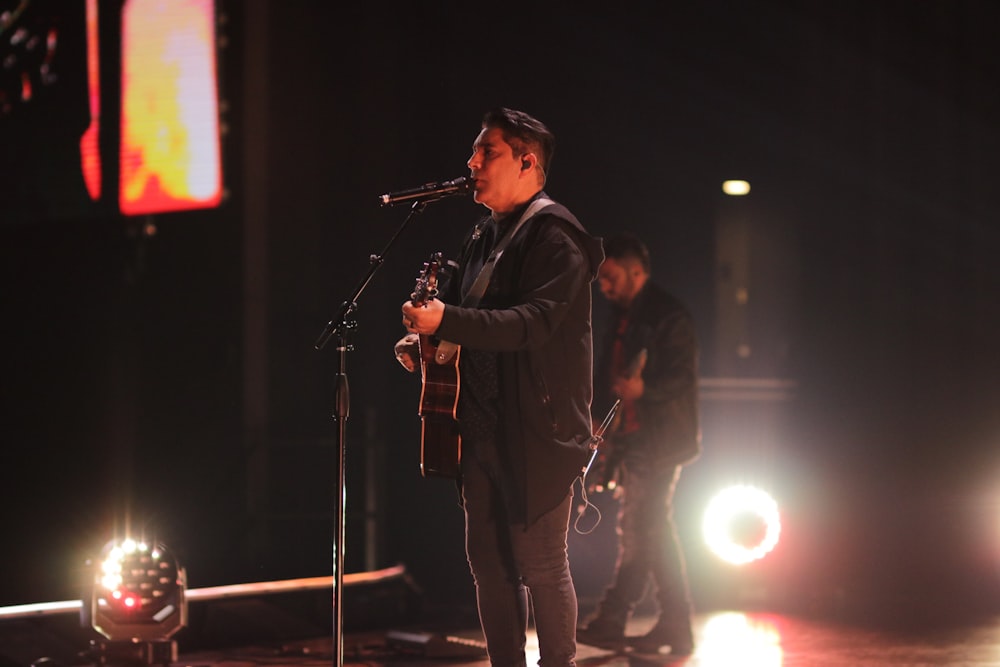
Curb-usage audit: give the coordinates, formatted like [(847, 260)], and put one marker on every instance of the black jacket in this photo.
[(669, 432), (536, 315)]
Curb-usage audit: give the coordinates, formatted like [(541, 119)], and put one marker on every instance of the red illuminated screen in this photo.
[(90, 157), (170, 156)]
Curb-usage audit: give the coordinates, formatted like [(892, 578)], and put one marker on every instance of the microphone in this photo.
[(428, 192)]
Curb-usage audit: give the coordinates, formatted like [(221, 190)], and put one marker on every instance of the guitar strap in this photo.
[(446, 349)]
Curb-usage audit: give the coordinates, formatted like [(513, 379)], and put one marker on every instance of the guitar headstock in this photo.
[(427, 282)]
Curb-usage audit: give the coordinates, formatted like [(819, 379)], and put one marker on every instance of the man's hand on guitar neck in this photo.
[(424, 319)]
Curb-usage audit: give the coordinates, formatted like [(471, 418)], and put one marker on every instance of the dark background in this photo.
[(167, 383)]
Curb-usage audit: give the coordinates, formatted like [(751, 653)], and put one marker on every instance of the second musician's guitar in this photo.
[(608, 462), (440, 441)]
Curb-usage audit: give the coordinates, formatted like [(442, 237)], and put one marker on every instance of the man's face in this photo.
[(619, 281), (495, 172)]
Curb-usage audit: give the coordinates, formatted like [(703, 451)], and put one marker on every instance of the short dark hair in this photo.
[(627, 246), (524, 133)]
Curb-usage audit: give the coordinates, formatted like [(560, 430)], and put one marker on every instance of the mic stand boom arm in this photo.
[(339, 326)]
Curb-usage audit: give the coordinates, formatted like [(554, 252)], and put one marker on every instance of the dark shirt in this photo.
[(479, 404), (534, 320), (478, 398), (628, 418), (665, 423)]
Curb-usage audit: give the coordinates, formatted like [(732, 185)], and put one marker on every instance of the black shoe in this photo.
[(679, 639), (602, 633)]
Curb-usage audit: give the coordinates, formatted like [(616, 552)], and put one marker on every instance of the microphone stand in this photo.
[(339, 327)]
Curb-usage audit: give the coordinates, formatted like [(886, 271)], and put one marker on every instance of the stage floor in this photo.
[(723, 638), (387, 623)]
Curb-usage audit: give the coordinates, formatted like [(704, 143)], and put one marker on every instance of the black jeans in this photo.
[(648, 549), (514, 565)]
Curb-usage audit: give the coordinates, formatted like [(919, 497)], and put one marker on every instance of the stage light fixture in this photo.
[(736, 188), (729, 511), (137, 594)]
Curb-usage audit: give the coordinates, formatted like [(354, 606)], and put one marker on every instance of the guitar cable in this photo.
[(594, 444)]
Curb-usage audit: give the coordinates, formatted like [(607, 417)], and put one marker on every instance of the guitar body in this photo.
[(440, 440)]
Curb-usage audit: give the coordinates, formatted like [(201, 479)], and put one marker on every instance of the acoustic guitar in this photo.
[(440, 441)]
